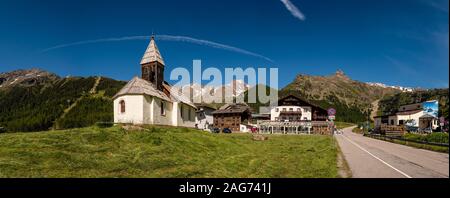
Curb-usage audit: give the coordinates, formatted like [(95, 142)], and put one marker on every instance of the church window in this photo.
[(189, 118), (163, 110), (181, 111), (152, 75), (122, 106)]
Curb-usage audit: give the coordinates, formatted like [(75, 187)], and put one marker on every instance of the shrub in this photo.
[(104, 124), (438, 137), (434, 137)]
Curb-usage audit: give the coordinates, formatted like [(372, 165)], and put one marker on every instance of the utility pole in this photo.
[(369, 110)]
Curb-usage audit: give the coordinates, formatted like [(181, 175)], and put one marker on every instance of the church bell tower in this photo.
[(152, 66)]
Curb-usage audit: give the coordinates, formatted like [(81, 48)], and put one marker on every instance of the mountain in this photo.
[(352, 99), (256, 107), (26, 78), (237, 87), (403, 89), (36, 100)]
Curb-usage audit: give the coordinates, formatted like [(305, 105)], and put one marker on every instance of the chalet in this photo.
[(232, 116), (149, 100), (294, 115), (293, 109)]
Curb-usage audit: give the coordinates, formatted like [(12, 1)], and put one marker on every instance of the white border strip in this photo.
[(404, 174)]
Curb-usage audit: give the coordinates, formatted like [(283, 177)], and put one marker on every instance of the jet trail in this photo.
[(294, 10), (163, 38)]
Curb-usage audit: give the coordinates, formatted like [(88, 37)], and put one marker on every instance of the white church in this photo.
[(148, 100)]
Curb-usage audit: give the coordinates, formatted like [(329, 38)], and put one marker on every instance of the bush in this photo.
[(104, 124), (434, 137), (438, 137)]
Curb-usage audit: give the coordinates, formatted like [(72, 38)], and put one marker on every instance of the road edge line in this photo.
[(387, 164)]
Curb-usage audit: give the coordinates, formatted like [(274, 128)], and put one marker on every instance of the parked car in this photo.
[(412, 129), (2, 130), (215, 130), (226, 130)]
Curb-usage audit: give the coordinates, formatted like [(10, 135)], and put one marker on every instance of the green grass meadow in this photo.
[(164, 152)]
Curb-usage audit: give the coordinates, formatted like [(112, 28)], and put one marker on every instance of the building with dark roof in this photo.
[(231, 116)]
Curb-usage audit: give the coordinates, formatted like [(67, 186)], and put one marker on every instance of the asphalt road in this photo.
[(371, 158)]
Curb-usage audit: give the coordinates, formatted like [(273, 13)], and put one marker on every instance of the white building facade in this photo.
[(412, 115), (291, 113), (204, 119)]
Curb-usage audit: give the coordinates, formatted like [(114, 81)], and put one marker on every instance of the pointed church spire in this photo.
[(152, 53)]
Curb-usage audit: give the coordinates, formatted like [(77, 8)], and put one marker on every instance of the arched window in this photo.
[(122, 106)]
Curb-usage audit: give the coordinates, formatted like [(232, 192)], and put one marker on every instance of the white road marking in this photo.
[(404, 174)]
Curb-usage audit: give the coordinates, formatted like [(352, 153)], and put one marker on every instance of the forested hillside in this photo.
[(93, 107), (37, 107)]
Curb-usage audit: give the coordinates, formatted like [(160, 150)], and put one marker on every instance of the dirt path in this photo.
[(374, 109), (73, 105), (94, 88)]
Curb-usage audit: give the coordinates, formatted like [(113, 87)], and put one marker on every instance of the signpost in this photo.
[(331, 112), (332, 117)]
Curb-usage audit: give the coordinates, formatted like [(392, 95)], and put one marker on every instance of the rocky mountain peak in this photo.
[(340, 74), (26, 77)]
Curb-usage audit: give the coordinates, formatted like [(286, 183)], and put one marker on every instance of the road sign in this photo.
[(331, 112)]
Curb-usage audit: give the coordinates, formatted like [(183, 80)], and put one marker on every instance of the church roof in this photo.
[(152, 53), (179, 97), (138, 86), (411, 112), (427, 116)]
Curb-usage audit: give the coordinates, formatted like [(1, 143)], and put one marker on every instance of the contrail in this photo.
[(210, 44), (294, 10), (129, 38), (164, 38)]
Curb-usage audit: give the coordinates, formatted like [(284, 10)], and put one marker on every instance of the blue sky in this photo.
[(397, 42)]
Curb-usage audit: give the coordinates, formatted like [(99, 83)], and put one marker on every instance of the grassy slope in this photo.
[(163, 152)]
